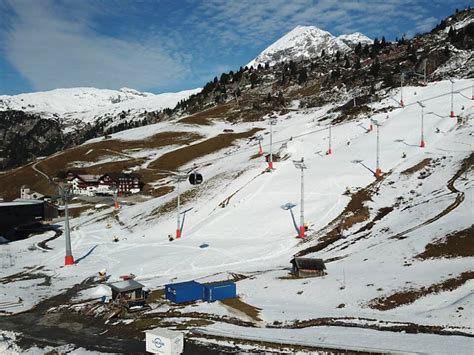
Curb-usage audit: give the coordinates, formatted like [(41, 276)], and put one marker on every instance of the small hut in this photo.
[(128, 293), (308, 267)]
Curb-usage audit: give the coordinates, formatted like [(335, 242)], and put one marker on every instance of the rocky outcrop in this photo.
[(25, 136)]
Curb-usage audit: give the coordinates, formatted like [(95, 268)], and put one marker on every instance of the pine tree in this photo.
[(358, 48), (303, 76)]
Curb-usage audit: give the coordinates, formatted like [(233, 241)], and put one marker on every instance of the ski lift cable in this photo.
[(310, 132), (253, 146)]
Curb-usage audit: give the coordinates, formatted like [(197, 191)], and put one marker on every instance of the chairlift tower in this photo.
[(378, 171), (451, 114), (69, 259), (299, 164), (422, 139), (178, 179), (272, 123)]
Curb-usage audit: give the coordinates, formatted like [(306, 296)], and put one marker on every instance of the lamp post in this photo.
[(378, 171), (329, 152), (178, 179), (272, 122), (422, 140), (451, 114), (299, 164)]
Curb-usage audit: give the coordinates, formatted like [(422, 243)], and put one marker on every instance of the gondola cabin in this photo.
[(195, 178)]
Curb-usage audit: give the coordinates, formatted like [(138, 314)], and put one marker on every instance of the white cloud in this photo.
[(54, 48), (257, 22)]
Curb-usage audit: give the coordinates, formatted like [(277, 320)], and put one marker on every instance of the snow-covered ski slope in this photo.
[(253, 235)]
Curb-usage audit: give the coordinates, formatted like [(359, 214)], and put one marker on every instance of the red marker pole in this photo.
[(116, 204)]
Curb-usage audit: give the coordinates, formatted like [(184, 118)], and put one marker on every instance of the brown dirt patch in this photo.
[(236, 303), (408, 296), (205, 117), (94, 151), (179, 157), (454, 245), (381, 214), (355, 212), (10, 183), (415, 168)]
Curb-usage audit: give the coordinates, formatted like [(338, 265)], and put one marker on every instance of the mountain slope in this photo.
[(87, 104), (307, 42)]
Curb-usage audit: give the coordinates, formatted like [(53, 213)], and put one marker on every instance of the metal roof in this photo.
[(184, 284), (19, 202), (124, 286)]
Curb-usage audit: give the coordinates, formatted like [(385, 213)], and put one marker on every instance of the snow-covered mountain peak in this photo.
[(353, 38), (306, 42), (86, 103)]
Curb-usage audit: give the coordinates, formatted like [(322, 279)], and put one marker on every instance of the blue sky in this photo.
[(172, 45)]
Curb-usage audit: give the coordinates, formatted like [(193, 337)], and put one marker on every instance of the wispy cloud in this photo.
[(257, 22), (56, 47)]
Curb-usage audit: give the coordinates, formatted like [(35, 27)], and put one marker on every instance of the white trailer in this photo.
[(164, 341)]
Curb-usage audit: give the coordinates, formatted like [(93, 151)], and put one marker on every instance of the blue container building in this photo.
[(184, 291), (220, 291)]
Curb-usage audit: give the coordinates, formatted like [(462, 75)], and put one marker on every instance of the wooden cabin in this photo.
[(308, 267)]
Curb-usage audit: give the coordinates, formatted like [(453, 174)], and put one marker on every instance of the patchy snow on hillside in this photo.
[(237, 213), (87, 104)]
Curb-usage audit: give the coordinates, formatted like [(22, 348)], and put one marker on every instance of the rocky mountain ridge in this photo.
[(305, 42)]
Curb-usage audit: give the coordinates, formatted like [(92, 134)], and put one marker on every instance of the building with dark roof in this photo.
[(128, 293), (308, 267)]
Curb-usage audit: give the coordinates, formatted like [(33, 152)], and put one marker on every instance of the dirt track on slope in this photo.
[(465, 166), (409, 296), (454, 245)]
